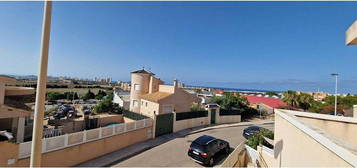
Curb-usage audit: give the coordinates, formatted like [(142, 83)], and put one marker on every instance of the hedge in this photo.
[(223, 112), (191, 114), (133, 116)]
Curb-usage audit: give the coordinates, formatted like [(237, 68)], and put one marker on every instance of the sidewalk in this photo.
[(122, 154)]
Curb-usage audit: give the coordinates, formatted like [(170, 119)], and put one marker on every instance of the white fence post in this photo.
[(66, 140), (84, 136), (100, 133), (135, 125), (44, 142)]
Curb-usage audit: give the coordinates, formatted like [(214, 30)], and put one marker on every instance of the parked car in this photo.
[(250, 131), (205, 148), (338, 114)]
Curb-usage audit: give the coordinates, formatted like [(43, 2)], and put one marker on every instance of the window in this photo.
[(135, 103), (136, 87)]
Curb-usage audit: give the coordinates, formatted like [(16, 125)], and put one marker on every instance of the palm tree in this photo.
[(305, 101), (291, 98)]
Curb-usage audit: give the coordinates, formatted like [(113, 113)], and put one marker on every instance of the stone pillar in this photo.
[(354, 111), (154, 126), (14, 124), (174, 122), (20, 130), (209, 116), (217, 115)]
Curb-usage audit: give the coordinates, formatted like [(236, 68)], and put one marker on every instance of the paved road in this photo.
[(174, 153)]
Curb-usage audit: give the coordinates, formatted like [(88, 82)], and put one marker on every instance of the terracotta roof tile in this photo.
[(271, 102), (155, 97)]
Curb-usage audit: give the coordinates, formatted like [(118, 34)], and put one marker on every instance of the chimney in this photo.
[(175, 83), (354, 111), (151, 84)]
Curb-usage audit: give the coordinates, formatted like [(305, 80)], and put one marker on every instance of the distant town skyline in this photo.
[(247, 45)]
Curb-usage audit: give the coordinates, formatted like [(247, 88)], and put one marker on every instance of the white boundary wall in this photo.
[(203, 121), (68, 140), (225, 119), (190, 123)]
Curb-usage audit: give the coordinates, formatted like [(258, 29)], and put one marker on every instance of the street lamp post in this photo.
[(336, 76), (36, 148)]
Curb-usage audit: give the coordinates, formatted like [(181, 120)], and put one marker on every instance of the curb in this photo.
[(228, 126)]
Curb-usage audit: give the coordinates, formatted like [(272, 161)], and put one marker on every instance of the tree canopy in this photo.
[(230, 102), (302, 100), (88, 95), (107, 106)]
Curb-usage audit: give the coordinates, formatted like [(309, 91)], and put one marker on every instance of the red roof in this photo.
[(218, 91), (271, 102)]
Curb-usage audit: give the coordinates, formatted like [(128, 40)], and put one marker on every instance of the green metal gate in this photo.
[(164, 124), (213, 116)]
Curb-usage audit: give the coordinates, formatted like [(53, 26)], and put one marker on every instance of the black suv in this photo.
[(204, 148)]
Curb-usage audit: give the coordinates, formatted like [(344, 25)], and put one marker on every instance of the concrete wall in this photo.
[(71, 126), (347, 131), (74, 155), (8, 152), (109, 118), (190, 123), (268, 157), (237, 158), (181, 100), (18, 91), (227, 119), (149, 108), (167, 88), (294, 147)]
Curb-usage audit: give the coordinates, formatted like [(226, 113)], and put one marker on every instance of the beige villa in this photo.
[(149, 96), (13, 113)]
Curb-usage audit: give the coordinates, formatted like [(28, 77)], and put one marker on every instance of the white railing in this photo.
[(268, 150), (68, 140), (51, 132)]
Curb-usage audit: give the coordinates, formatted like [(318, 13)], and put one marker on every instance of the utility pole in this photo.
[(335, 75), (36, 148)]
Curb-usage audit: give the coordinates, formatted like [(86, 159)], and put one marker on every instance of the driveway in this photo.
[(174, 153)]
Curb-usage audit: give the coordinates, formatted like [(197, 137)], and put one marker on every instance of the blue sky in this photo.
[(252, 45)]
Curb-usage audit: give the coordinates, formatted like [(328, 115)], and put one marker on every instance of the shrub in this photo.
[(107, 106), (88, 95), (196, 107), (258, 138)]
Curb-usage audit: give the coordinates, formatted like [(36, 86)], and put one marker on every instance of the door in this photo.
[(213, 116), (164, 124)]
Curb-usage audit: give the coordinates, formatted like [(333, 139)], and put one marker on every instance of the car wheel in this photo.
[(210, 162), (227, 149)]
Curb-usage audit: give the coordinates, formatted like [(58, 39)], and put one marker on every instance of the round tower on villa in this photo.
[(140, 81)]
